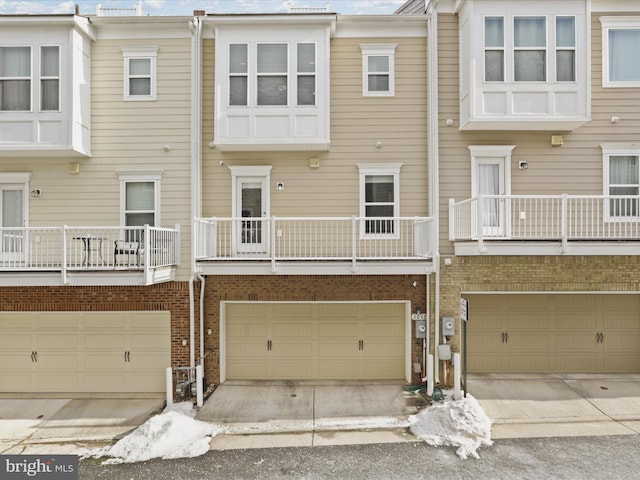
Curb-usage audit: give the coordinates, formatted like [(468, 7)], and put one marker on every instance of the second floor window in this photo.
[(620, 47), (521, 52), (140, 73), (378, 70), (50, 78), (272, 71), (15, 78)]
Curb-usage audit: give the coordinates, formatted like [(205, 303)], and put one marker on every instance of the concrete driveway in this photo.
[(32, 425), (559, 405)]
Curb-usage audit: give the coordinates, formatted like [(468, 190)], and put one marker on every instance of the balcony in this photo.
[(545, 225), (321, 245), (88, 255)]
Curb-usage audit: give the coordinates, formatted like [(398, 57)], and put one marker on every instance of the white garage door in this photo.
[(579, 333), (84, 351), (316, 341)]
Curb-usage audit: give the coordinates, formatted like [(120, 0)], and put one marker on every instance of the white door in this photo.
[(12, 221), (489, 183), (252, 230)]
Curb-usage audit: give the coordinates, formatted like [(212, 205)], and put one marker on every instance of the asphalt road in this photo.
[(581, 458)]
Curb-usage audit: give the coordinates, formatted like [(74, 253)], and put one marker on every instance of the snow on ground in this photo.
[(458, 423), (172, 434), (175, 433)]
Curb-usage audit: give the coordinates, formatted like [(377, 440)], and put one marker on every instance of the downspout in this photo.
[(195, 25), (433, 164)]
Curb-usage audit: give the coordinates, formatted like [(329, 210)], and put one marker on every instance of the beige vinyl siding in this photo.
[(357, 122), (574, 168), (126, 136)]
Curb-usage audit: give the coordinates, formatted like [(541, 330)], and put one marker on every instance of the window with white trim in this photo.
[(15, 78), (379, 199), (378, 70), (620, 46), (517, 49), (272, 74), (306, 73), (140, 73), (140, 199), (621, 181), (50, 78)]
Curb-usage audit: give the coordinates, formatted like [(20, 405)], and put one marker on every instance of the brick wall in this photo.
[(297, 288), (171, 296)]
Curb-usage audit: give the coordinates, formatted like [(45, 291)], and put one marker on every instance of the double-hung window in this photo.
[(620, 47), (378, 70), (15, 78), (529, 49), (139, 201), (494, 49), (272, 71), (49, 78), (565, 49), (379, 199), (622, 181), (140, 73), (238, 74), (306, 73)]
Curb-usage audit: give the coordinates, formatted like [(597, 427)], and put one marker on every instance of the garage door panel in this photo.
[(382, 370), (14, 342), (248, 330), (83, 351), (348, 329), (549, 333), (324, 344)]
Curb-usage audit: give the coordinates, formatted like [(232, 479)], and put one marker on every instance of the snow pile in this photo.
[(460, 423), (172, 434)]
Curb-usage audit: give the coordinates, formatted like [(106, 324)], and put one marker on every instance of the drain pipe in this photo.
[(195, 26), (433, 163)]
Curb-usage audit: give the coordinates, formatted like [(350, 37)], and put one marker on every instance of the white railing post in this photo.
[(564, 223), (457, 368), (146, 253), (273, 244), (480, 222), (64, 255), (353, 243)]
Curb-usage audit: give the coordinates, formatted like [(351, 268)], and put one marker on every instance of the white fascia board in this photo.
[(355, 26), (213, 22)]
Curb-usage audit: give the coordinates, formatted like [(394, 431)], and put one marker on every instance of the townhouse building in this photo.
[(254, 181), (95, 150), (535, 137)]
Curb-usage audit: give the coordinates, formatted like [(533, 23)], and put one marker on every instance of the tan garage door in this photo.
[(84, 351), (579, 333), (312, 341)]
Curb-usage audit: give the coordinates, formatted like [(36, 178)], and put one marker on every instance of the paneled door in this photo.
[(252, 210)]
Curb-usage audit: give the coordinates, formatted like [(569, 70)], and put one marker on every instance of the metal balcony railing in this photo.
[(545, 217), (314, 239), (80, 248)]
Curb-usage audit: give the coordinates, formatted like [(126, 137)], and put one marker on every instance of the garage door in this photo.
[(313, 341), (554, 333), (84, 351)]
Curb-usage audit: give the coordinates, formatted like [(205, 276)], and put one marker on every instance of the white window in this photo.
[(15, 78), (238, 74), (379, 199), (620, 47), (49, 78), (306, 73), (378, 70), (521, 48), (140, 73), (140, 199), (621, 181), (272, 69)]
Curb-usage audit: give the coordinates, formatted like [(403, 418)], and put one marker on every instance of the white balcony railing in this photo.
[(313, 239), (545, 217), (64, 249)]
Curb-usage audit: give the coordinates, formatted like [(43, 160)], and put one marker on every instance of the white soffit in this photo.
[(381, 26)]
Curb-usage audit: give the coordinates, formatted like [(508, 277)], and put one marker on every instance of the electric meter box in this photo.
[(448, 328), (421, 329)]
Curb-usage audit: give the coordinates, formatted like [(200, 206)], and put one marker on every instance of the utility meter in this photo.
[(421, 329), (448, 329)]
